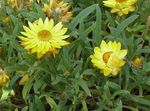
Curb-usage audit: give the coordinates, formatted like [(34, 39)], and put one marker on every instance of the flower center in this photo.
[(120, 1), (106, 56), (44, 35)]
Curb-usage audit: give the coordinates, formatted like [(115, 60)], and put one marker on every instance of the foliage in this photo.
[(68, 81)]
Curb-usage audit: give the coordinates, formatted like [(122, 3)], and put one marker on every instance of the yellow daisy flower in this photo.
[(59, 8), (121, 7), (44, 37), (109, 57)]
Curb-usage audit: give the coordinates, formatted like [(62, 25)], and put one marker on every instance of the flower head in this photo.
[(59, 9), (44, 37), (121, 7), (137, 62), (14, 3), (3, 78), (7, 19), (17, 3), (109, 57)]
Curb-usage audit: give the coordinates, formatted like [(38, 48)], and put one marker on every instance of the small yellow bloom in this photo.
[(7, 19), (137, 62), (12, 93), (44, 37), (121, 7), (24, 79), (17, 3), (14, 3), (59, 9), (3, 78), (109, 57)]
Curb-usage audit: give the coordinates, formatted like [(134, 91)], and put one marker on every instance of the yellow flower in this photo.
[(24, 79), (14, 3), (109, 57), (17, 3), (58, 8), (137, 62), (3, 78), (7, 19), (121, 7), (44, 37)]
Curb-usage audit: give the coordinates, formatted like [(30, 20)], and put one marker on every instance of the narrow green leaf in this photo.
[(13, 80), (26, 88), (82, 35), (84, 86), (124, 24), (140, 100), (16, 68), (25, 108), (84, 105), (97, 29), (146, 66), (40, 11), (83, 14), (39, 104)]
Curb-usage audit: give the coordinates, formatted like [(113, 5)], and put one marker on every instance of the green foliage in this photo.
[(69, 82)]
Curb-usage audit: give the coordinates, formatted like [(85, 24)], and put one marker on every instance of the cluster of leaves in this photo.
[(69, 82)]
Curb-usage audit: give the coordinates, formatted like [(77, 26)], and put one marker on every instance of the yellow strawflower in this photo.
[(44, 37), (121, 7), (109, 57), (3, 78), (59, 9), (137, 62)]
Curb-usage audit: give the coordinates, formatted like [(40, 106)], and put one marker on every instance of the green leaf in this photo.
[(40, 11), (97, 29), (16, 68), (139, 100), (84, 105), (14, 20), (83, 14), (119, 106), (39, 104), (82, 34), (25, 108), (146, 66), (13, 80), (27, 87), (116, 32), (89, 72), (51, 102), (84, 86)]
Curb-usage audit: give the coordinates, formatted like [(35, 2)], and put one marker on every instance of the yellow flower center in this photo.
[(106, 56), (44, 35), (120, 1)]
